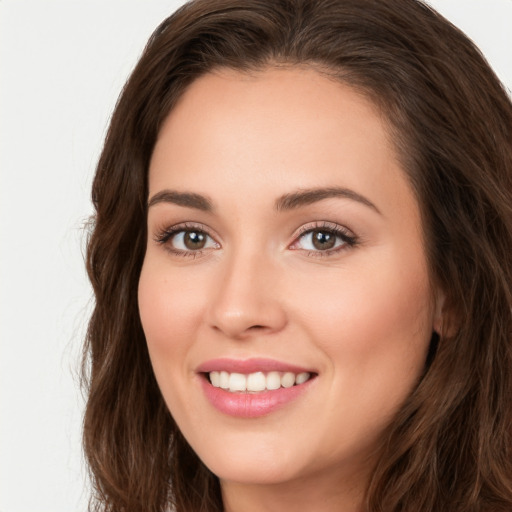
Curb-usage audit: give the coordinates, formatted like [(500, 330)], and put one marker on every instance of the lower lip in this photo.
[(251, 405)]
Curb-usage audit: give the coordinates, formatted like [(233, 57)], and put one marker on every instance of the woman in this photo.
[(301, 261)]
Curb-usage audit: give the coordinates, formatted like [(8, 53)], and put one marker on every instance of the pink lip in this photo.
[(247, 366), (250, 405)]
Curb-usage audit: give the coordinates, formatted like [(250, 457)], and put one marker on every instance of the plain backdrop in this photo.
[(62, 66)]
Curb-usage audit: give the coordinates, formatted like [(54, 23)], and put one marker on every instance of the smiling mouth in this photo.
[(256, 382), (255, 387)]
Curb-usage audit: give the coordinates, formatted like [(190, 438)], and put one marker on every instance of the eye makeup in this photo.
[(315, 239)]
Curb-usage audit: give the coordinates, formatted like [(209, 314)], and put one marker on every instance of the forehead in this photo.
[(244, 139), (274, 116)]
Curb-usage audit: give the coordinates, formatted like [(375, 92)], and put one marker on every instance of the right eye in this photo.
[(185, 241), (191, 240)]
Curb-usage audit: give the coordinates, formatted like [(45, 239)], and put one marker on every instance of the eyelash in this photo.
[(163, 237), (348, 239)]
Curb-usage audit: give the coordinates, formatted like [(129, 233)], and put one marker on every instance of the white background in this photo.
[(62, 65)]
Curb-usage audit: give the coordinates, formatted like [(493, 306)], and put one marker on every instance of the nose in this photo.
[(247, 301)]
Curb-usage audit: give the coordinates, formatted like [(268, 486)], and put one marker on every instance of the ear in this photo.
[(439, 302), (443, 322)]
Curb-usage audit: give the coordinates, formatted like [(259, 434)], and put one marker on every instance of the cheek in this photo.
[(170, 309), (375, 324), (379, 312), (169, 306)]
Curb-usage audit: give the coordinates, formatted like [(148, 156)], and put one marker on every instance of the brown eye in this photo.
[(323, 240), (189, 240), (194, 240)]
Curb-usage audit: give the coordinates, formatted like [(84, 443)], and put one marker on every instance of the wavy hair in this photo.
[(449, 448)]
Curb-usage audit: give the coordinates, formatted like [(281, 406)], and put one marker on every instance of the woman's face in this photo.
[(284, 251)]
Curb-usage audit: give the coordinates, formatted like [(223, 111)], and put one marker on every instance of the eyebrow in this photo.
[(187, 199), (313, 195), (285, 202)]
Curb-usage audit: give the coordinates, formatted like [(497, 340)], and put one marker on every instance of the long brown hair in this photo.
[(449, 447)]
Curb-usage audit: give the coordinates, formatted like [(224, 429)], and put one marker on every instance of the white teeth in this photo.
[(273, 380), (224, 380), (257, 381), (301, 378), (237, 382), (215, 378), (288, 380)]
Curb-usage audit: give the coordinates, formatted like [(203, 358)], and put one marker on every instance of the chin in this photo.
[(253, 473), (251, 459)]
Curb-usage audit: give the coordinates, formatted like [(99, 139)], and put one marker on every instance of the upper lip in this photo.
[(247, 366)]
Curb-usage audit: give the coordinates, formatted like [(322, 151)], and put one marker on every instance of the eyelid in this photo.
[(322, 224), (163, 235), (349, 238)]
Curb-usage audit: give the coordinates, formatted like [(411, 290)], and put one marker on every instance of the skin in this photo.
[(360, 316)]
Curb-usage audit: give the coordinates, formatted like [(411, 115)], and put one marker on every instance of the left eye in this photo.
[(322, 240), (191, 240)]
